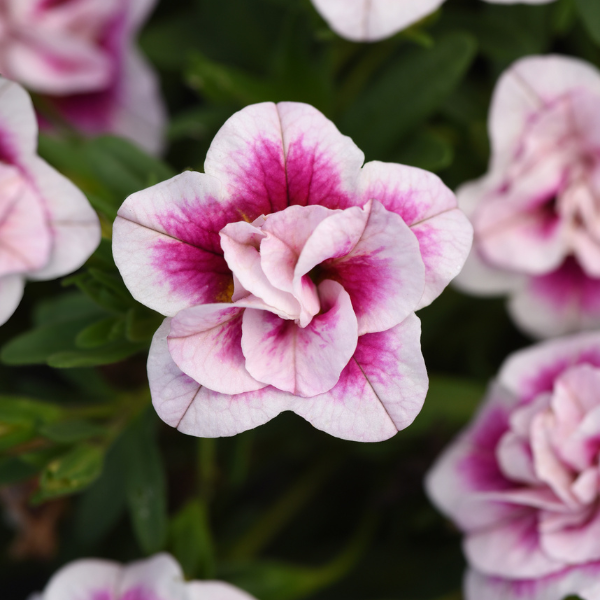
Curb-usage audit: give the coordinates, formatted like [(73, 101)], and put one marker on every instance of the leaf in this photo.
[(70, 473), (191, 541), (14, 409), (97, 334), (146, 487), (142, 323), (407, 93), (426, 150), (64, 307), (105, 355), (72, 431), (589, 11), (101, 505)]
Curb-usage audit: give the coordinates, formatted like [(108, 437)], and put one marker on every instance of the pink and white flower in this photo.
[(289, 277), (47, 227), (156, 578), (374, 20), (536, 213), (523, 480), (80, 56)]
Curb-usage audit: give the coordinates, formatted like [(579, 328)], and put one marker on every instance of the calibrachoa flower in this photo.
[(47, 227), (373, 20), (536, 213), (156, 578), (290, 277), (80, 55), (523, 480)]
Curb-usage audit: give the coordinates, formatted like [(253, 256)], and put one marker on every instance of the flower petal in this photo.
[(372, 20), (11, 292), (18, 124), (157, 578), (183, 403), (85, 579), (74, 224), (205, 343), (529, 84), (511, 549), (375, 257), (167, 247), (303, 361), (560, 302), (379, 393), (429, 208)]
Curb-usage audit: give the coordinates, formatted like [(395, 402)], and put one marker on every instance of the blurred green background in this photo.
[(284, 511)]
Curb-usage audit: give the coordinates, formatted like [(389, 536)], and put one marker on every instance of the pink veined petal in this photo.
[(240, 242), (156, 578), (464, 476), (58, 65), (18, 123), (379, 393), (430, 209), (376, 258), (511, 549), (582, 581), (166, 244), (85, 579), (372, 20), (195, 410), (215, 590), (574, 545), (561, 302), (303, 361), (528, 85), (11, 292), (205, 343), (139, 113), (530, 372), (247, 156), (73, 222), (25, 238), (322, 165), (286, 234)]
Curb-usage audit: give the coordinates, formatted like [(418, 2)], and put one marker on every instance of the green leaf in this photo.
[(191, 541), (142, 323), (101, 505), (37, 345), (71, 472), (72, 431), (104, 296), (15, 434), (589, 11), (146, 487), (105, 355), (23, 410), (407, 93), (426, 150), (64, 307), (198, 123), (97, 334)]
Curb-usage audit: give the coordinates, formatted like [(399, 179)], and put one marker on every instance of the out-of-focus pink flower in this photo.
[(523, 481), (373, 20), (47, 227), (80, 55), (289, 276), (536, 214), (156, 578)]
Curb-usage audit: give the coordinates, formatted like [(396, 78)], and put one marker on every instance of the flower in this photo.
[(47, 227), (79, 55), (156, 578), (536, 213), (374, 20), (523, 480), (290, 277)]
